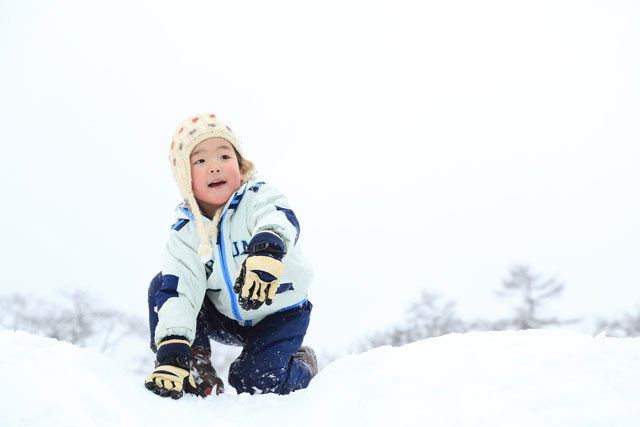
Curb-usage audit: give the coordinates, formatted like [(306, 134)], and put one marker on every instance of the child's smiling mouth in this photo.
[(216, 184)]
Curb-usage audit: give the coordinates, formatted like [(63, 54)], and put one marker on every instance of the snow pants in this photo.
[(266, 363)]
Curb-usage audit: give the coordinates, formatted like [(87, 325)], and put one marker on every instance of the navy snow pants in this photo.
[(266, 363)]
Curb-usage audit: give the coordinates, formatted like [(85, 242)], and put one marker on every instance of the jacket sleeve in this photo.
[(271, 211), (183, 289)]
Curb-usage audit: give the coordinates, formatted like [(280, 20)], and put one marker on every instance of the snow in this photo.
[(509, 378)]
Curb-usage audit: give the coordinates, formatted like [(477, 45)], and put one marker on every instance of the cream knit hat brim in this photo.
[(190, 133)]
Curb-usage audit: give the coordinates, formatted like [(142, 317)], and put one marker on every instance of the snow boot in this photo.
[(307, 356), (203, 371)]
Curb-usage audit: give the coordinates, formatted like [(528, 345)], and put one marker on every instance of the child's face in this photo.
[(215, 173)]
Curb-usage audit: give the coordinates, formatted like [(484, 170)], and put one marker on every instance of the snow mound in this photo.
[(524, 378)]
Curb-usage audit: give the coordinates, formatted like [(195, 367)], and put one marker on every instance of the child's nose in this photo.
[(214, 168)]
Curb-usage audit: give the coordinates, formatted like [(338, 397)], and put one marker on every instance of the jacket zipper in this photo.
[(222, 253)]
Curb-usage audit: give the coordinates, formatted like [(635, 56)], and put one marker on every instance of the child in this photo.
[(233, 272)]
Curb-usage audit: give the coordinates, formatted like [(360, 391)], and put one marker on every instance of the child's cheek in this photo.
[(196, 178)]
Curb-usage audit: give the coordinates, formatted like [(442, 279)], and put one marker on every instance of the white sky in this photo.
[(423, 145)]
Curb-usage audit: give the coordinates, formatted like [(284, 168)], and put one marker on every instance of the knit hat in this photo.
[(190, 133)]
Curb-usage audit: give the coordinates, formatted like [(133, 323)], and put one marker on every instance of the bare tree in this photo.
[(76, 318), (625, 327), (426, 318), (530, 293)]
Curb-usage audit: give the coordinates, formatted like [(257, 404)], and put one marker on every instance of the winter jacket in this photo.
[(256, 206)]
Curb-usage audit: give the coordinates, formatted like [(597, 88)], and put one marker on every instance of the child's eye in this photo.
[(197, 162), (225, 157)]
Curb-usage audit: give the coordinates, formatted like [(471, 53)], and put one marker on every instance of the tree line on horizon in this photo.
[(527, 293), (79, 319)]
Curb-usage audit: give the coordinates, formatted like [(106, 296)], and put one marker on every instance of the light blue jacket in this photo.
[(255, 207)]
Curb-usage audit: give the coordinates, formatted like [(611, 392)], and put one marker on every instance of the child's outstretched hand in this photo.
[(172, 378), (258, 279)]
